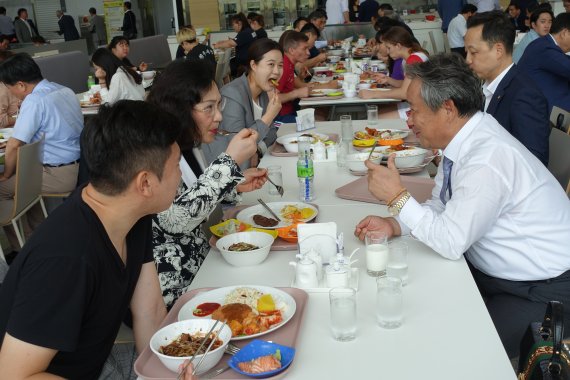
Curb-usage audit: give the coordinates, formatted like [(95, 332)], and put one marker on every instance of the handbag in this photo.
[(542, 356)]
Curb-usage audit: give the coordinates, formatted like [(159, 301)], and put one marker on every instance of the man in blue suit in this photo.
[(545, 60), (447, 10), (66, 26), (513, 98)]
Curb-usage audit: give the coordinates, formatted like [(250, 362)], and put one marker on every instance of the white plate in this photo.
[(218, 296), (396, 133), (282, 139), (246, 215)]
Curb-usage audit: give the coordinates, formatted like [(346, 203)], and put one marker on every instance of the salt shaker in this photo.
[(336, 276)]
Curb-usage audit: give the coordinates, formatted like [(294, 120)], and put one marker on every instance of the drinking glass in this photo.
[(389, 313), (343, 313), (274, 173), (398, 261), (376, 253), (372, 113), (304, 145), (346, 128), (341, 153)]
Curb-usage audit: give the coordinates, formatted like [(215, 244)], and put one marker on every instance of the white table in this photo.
[(447, 332), (323, 101)]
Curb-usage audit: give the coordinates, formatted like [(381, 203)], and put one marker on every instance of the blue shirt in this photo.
[(51, 111), (447, 10), (526, 40)]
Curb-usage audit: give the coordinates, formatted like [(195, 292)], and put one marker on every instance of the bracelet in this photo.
[(389, 203), (397, 207)]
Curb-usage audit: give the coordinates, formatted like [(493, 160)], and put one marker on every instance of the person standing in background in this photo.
[(458, 28), (6, 24), (448, 9), (129, 27), (486, 5), (367, 10), (353, 10), (337, 12), (25, 29), (566, 4), (66, 26), (514, 11), (97, 28)]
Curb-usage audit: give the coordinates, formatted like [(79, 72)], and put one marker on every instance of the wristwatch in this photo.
[(397, 206)]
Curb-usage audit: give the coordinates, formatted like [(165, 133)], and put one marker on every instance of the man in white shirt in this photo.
[(511, 96), (458, 27), (337, 12), (493, 201), (486, 5)]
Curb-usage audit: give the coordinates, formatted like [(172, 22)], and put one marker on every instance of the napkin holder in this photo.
[(305, 119), (320, 237)]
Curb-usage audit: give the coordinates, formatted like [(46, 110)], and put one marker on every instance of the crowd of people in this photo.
[(158, 165)]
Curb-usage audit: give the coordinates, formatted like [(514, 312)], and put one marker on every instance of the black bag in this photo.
[(541, 352)]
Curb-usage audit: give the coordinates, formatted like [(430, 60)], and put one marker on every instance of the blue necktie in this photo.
[(447, 165)]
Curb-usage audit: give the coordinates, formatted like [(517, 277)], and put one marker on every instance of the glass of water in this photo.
[(346, 128), (341, 153), (274, 173), (398, 261), (389, 313), (343, 313), (372, 116)]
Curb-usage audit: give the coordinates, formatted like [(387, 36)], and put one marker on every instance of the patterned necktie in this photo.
[(447, 165)]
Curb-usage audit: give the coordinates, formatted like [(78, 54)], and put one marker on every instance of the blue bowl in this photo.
[(258, 348)]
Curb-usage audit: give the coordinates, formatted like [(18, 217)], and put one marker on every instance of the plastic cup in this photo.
[(398, 261), (274, 173), (343, 313)]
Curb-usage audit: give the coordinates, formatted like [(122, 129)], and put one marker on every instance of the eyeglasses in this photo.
[(210, 110)]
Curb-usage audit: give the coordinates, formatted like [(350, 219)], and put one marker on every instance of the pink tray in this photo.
[(279, 150), (420, 188), (149, 367), (278, 245)]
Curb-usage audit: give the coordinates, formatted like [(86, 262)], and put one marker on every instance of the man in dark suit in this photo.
[(129, 27), (513, 98), (367, 10), (25, 28), (545, 61), (66, 26)]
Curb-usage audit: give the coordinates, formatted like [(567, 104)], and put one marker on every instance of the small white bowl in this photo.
[(169, 333), (320, 69), (334, 58), (336, 52), (148, 75), (355, 161), (410, 158), (364, 86), (349, 93), (245, 258)]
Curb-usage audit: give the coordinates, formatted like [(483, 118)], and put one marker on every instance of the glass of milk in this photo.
[(376, 253)]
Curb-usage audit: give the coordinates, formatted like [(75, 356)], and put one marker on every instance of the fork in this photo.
[(231, 349), (280, 189)]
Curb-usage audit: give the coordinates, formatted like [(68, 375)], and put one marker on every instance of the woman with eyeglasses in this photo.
[(118, 81), (188, 91), (120, 47), (252, 101)]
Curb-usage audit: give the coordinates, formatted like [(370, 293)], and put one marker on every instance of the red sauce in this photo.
[(206, 309)]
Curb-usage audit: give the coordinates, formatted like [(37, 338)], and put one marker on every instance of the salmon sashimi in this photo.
[(260, 365)]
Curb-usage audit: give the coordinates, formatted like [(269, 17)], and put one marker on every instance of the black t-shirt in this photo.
[(201, 51), (243, 41), (68, 289), (260, 33)]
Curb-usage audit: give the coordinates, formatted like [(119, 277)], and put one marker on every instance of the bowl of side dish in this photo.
[(261, 359), (245, 248), (170, 341), (409, 158), (355, 161)]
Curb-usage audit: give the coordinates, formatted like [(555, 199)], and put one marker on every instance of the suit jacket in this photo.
[(23, 32), (521, 108), (549, 67), (368, 8), (447, 10), (129, 25), (97, 27), (67, 28), (238, 114)]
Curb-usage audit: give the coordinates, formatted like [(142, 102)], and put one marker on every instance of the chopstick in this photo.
[(268, 209), (208, 349), (372, 150), (181, 374)]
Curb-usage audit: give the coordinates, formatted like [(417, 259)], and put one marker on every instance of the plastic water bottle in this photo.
[(306, 174), (90, 82)]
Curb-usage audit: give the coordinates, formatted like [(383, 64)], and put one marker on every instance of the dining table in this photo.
[(446, 333)]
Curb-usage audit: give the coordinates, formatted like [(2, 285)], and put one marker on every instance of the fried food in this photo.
[(261, 220)]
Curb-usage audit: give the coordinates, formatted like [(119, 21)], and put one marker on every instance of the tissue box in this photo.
[(319, 236), (305, 119)]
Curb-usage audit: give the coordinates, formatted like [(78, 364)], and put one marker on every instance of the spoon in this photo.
[(222, 132)]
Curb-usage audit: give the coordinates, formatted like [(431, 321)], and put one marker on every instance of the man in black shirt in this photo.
[(129, 27), (193, 50), (67, 291)]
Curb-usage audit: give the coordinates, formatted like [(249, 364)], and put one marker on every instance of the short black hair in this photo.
[(468, 8), (561, 22), (20, 67), (240, 17), (292, 39), (251, 15), (2, 10), (93, 11), (536, 14), (515, 4), (385, 23), (124, 139), (128, 4), (297, 21), (21, 10), (386, 7), (105, 59), (116, 40), (310, 28), (178, 89), (4, 37), (318, 13), (497, 28), (259, 48)]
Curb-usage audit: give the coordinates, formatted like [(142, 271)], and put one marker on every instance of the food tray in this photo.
[(149, 367), (352, 283), (278, 245), (420, 188), (279, 150)]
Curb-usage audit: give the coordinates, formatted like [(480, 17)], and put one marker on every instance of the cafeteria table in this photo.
[(344, 104), (447, 332)]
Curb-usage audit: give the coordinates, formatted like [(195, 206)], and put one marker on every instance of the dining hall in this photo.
[(293, 189)]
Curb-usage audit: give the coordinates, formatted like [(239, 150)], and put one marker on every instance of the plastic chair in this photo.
[(29, 172), (559, 159), (560, 119)]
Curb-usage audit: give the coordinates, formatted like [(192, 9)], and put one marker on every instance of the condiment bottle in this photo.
[(305, 272), (336, 276)]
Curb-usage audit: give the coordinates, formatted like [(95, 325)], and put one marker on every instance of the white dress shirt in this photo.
[(335, 9), (507, 213), (123, 87), (485, 5), (456, 31), (490, 88)]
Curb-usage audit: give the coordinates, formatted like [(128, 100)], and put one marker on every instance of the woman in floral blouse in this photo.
[(187, 90)]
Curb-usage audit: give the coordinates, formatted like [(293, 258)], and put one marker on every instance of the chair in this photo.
[(433, 44), (69, 69), (560, 119), (559, 159), (221, 67), (27, 193)]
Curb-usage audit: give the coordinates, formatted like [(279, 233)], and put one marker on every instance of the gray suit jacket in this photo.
[(238, 114), (97, 27), (23, 32)]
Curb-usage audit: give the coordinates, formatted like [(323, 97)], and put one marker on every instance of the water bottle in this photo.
[(306, 174), (90, 82)]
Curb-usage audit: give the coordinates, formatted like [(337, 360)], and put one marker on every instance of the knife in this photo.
[(214, 372), (265, 206)]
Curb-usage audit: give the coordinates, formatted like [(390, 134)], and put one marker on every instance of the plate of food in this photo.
[(288, 212), (384, 134), (290, 141), (249, 310), (316, 93)]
